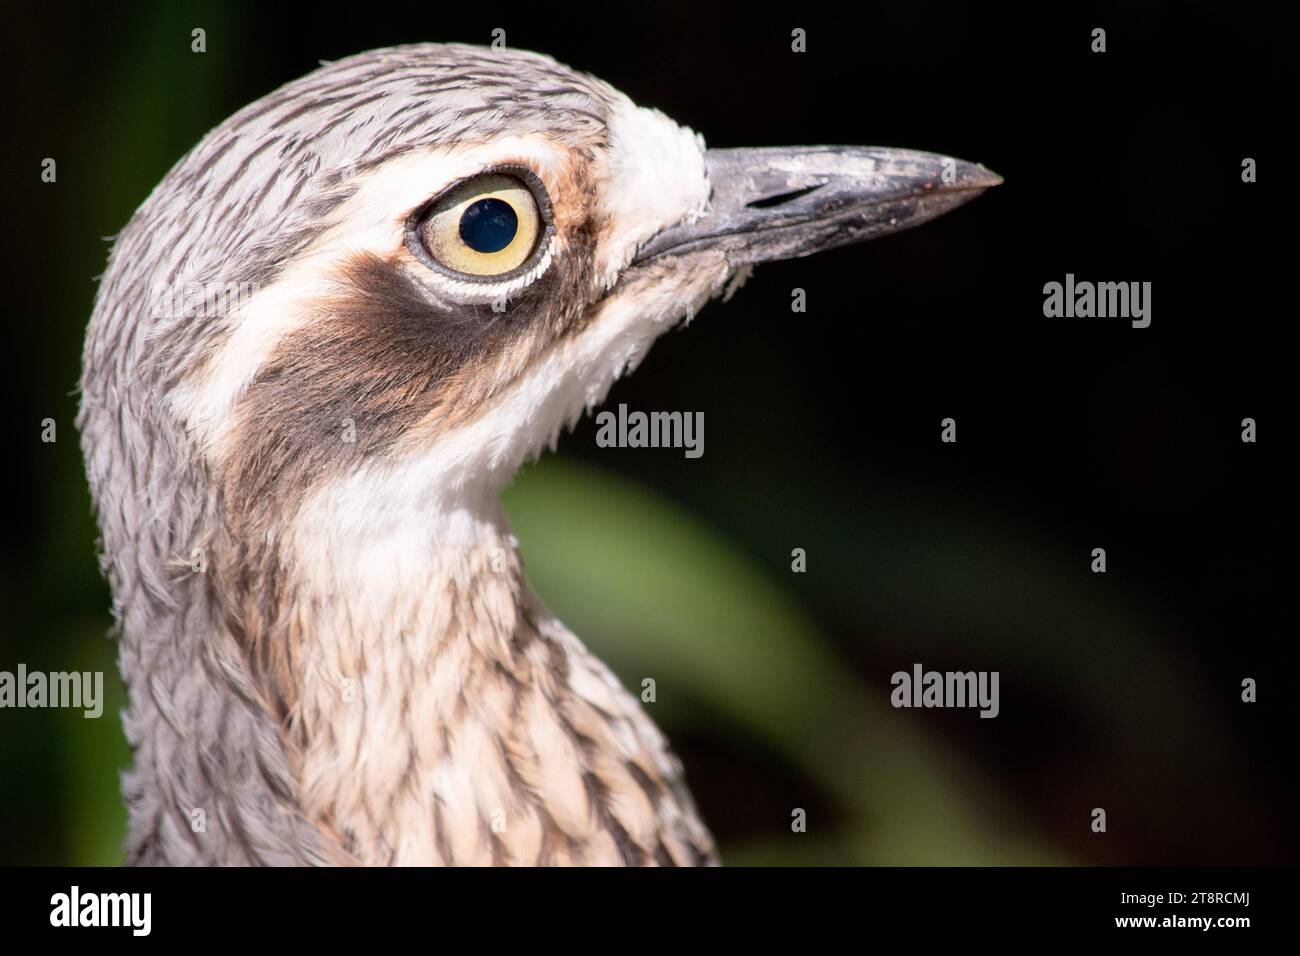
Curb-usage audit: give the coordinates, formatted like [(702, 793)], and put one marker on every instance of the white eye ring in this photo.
[(473, 291)]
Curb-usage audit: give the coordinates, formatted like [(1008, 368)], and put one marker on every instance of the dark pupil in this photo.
[(488, 225)]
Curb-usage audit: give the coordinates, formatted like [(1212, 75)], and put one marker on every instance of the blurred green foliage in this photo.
[(657, 594)]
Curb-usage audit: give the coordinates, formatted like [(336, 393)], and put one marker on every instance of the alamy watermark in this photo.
[(130, 910), (1099, 300), (922, 688), (200, 299), (77, 689), (651, 430)]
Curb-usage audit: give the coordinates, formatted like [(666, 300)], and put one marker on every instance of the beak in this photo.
[(782, 203)]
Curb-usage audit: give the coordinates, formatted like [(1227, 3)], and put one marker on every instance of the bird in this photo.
[(321, 348)]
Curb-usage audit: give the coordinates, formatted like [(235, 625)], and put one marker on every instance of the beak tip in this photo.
[(979, 176)]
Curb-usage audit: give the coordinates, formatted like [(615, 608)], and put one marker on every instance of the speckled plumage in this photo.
[(299, 716)]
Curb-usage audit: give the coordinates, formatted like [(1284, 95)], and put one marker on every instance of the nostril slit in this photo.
[(781, 198)]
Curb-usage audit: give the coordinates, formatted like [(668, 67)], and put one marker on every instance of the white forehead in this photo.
[(657, 177)]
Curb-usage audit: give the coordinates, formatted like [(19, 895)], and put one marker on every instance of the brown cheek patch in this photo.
[(371, 361)]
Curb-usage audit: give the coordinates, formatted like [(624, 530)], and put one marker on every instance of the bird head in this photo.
[(449, 252)]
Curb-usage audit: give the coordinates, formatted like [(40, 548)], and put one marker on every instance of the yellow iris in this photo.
[(487, 226)]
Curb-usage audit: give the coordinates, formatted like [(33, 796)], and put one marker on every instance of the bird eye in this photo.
[(486, 226)]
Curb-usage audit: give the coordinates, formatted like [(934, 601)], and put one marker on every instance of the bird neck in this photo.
[(407, 642), (445, 717)]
